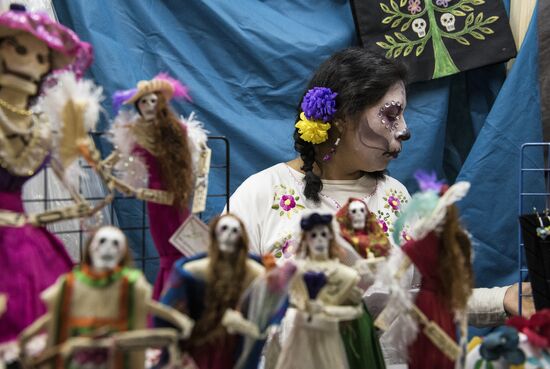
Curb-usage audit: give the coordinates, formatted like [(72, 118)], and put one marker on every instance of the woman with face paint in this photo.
[(349, 126)]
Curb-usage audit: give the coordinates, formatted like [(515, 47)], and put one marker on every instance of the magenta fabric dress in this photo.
[(31, 259), (164, 220)]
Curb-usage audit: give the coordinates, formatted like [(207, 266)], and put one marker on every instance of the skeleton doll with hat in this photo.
[(156, 159), (33, 47), (328, 326), (423, 327)]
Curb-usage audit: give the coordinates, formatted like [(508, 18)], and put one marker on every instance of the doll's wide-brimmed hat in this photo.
[(162, 82), (67, 49), (155, 85)]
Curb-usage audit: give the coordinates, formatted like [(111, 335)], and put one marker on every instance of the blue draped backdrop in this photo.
[(246, 63)]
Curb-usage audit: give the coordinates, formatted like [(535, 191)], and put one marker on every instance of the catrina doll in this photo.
[(328, 327), (426, 325), (205, 286), (153, 159), (104, 299), (32, 48)]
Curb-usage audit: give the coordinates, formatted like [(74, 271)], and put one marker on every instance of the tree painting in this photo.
[(421, 17)]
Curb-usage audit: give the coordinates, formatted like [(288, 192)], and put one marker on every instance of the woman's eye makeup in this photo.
[(390, 113)]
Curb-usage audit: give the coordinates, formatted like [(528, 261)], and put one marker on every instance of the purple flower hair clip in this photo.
[(319, 103), (428, 181)]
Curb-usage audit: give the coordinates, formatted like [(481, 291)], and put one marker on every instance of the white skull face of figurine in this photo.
[(25, 60), (228, 233), (318, 241), (147, 106), (107, 249), (357, 212)]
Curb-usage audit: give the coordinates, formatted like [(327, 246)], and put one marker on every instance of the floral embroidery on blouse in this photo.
[(393, 202), (286, 247), (286, 200)]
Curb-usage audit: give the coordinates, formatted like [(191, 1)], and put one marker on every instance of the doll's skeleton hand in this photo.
[(234, 322), (314, 307)]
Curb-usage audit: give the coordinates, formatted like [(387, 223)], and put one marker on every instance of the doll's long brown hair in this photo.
[(226, 277), (173, 153), (455, 267)]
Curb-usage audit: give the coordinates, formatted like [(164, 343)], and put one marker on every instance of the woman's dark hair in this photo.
[(361, 78)]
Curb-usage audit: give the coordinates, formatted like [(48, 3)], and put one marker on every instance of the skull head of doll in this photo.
[(25, 60), (107, 249), (147, 106), (357, 212), (318, 241), (228, 233), (317, 235)]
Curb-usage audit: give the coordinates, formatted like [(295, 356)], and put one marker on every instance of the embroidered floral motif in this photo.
[(394, 203), (286, 247), (394, 200), (414, 6), (444, 3), (286, 201), (383, 224)]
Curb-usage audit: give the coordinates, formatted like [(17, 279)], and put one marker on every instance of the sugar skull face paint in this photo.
[(390, 114), (370, 145)]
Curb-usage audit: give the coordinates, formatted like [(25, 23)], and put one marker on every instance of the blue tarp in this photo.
[(246, 63)]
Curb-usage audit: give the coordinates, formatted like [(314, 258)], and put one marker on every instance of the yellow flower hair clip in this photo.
[(318, 109), (313, 131)]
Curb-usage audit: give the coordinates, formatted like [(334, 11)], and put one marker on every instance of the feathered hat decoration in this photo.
[(162, 82), (429, 207)]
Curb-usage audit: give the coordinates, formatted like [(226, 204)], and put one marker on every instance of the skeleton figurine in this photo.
[(101, 305), (364, 243), (424, 326), (32, 46), (206, 285), (330, 328), (154, 159)]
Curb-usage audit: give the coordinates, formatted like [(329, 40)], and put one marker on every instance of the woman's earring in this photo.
[(332, 150)]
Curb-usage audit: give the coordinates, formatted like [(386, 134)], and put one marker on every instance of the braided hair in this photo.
[(361, 78)]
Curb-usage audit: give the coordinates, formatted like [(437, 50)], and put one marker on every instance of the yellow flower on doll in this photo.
[(312, 130)]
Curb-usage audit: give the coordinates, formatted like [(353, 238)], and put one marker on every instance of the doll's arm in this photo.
[(342, 313), (234, 322), (32, 330), (157, 196), (171, 315)]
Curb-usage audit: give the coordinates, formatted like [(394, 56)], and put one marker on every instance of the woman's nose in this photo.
[(403, 134)]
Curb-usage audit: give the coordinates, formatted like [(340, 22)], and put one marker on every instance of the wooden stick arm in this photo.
[(183, 323), (110, 160), (32, 330), (405, 264)]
